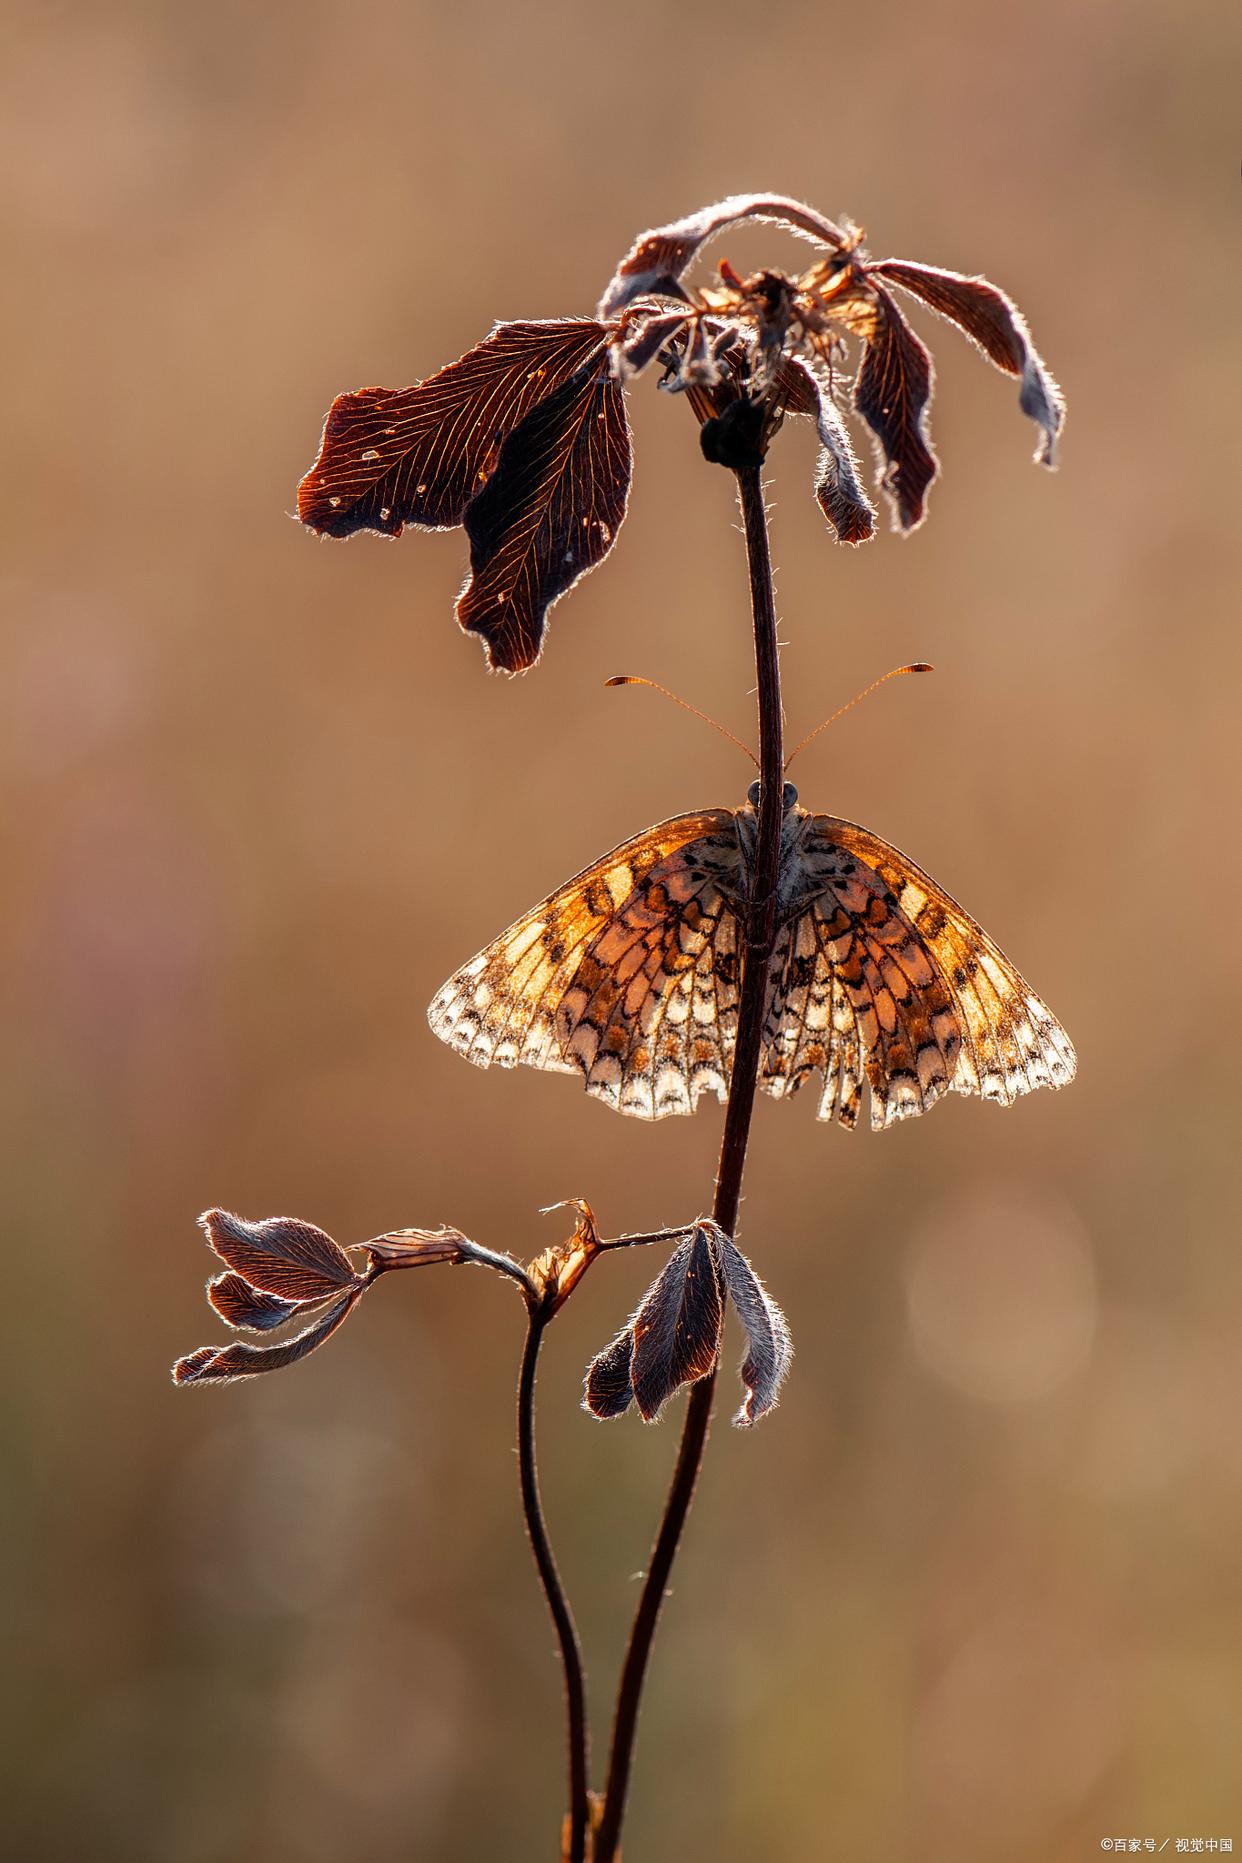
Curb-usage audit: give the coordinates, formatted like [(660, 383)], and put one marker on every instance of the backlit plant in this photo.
[(722, 952)]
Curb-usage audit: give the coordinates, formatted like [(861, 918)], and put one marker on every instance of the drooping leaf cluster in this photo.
[(673, 1336), (524, 440)]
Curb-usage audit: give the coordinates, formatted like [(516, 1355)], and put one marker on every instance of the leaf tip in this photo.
[(189, 1370)]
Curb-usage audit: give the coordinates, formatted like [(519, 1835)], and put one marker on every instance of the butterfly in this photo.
[(630, 975)]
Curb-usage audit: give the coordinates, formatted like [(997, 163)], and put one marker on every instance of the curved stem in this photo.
[(553, 1590), (760, 937)]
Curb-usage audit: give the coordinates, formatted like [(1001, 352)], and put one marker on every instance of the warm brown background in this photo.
[(973, 1592)]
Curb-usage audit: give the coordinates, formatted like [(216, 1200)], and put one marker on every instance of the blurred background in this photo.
[(973, 1592)]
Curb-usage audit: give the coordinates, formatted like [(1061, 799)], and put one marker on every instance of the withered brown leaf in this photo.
[(672, 1338), (280, 1255), (656, 262), (838, 490), (221, 1364), (769, 1347), (549, 512), (637, 351), (240, 1304), (677, 1328), (392, 457), (892, 392), (609, 1389), (995, 324)]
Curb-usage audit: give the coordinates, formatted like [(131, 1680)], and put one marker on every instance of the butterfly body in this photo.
[(630, 975)]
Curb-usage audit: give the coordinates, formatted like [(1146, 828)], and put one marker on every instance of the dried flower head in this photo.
[(556, 1272), (777, 344), (525, 442)]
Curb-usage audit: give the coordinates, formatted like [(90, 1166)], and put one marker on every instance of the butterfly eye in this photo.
[(789, 796)]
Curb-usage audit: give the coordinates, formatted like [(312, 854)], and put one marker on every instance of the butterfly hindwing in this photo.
[(856, 995), (882, 966), (627, 975), (811, 1026)]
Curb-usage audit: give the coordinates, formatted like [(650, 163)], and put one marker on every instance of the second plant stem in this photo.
[(566, 1632), (760, 938)]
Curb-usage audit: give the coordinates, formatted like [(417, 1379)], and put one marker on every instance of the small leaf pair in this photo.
[(282, 1269), (673, 1336)]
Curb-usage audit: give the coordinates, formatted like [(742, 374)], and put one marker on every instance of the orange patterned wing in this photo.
[(628, 975), (881, 976)]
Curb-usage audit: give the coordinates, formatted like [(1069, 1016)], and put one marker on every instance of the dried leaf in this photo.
[(240, 1304), (390, 457), (549, 512), (677, 1327), (280, 1255), (728, 343), (645, 344), (996, 325), (891, 393), (699, 363), (837, 488), (770, 1349), (608, 1390), (658, 259), (219, 1365)]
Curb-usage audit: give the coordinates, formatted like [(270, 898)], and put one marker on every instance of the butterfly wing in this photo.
[(880, 975), (627, 975)]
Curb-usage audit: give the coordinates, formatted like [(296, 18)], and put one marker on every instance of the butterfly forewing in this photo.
[(627, 975)]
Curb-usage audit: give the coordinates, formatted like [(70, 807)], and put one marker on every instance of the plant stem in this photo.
[(760, 937), (553, 1590)]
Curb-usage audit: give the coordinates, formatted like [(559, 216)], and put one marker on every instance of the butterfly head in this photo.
[(789, 796)]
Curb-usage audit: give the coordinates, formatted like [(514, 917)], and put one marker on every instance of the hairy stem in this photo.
[(553, 1590), (760, 937)]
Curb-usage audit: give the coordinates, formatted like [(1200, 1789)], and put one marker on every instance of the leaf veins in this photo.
[(221, 1364), (677, 1327), (549, 512), (280, 1255), (837, 490), (995, 324), (767, 1331), (609, 1389), (240, 1304), (891, 393), (391, 457)]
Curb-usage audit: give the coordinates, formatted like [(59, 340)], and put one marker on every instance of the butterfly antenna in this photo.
[(896, 672), (636, 679)]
